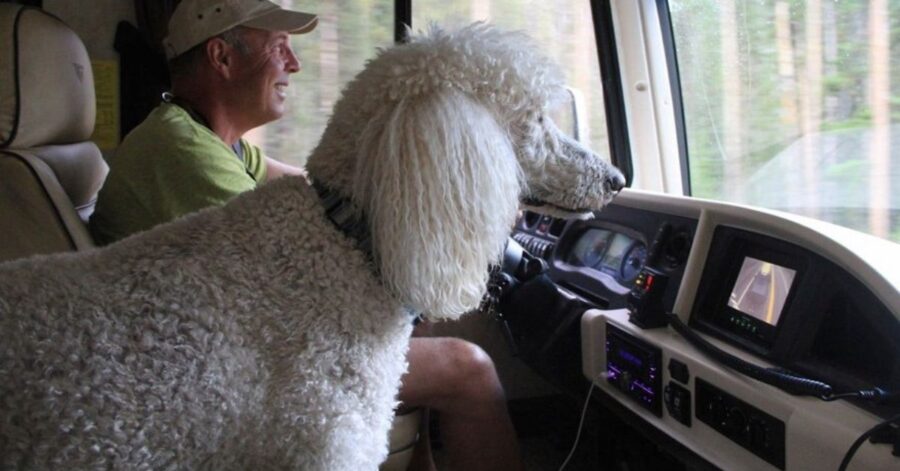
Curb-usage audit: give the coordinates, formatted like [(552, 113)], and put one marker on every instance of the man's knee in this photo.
[(472, 371)]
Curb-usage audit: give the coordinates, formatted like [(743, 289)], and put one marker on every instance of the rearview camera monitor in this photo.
[(761, 289)]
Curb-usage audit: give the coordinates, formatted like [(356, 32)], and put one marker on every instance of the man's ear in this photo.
[(220, 56)]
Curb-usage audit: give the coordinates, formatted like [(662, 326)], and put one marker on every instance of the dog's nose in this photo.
[(615, 181)]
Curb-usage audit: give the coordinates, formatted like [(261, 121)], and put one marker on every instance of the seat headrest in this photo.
[(46, 82)]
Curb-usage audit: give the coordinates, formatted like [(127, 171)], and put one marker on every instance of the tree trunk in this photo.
[(581, 80), (329, 57), (830, 55), (731, 101), (787, 75), (811, 98), (879, 102)]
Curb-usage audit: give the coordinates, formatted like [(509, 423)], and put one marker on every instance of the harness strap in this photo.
[(341, 212)]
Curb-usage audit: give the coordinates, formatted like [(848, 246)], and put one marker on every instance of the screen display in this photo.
[(761, 289), (616, 252), (590, 248)]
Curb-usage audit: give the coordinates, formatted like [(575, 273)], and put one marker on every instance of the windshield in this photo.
[(351, 31), (564, 31), (793, 105)]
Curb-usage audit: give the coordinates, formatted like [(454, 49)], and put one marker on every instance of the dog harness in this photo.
[(346, 218), (341, 212)]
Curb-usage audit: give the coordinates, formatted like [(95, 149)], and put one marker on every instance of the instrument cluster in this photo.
[(614, 253), (599, 259)]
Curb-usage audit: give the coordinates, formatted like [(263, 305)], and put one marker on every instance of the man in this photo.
[(229, 62), (188, 154)]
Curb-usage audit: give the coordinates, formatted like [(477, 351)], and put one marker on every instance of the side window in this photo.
[(349, 32), (565, 32), (794, 105)]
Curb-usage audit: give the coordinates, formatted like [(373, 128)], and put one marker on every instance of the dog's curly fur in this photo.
[(257, 335)]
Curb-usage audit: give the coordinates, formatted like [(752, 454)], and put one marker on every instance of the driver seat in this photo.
[(50, 172)]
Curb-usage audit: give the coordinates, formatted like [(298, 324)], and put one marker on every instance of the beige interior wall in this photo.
[(94, 21)]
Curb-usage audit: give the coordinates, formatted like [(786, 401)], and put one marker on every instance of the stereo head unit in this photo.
[(634, 367)]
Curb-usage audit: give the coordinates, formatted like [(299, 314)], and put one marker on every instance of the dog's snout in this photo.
[(615, 181)]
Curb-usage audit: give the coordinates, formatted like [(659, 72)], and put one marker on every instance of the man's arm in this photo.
[(276, 169)]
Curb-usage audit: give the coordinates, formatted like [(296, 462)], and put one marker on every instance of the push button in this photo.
[(679, 371), (678, 403)]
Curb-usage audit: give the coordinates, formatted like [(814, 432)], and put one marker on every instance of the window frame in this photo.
[(668, 38), (402, 20), (613, 93)]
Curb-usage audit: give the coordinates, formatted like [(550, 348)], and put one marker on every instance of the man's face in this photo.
[(261, 75)]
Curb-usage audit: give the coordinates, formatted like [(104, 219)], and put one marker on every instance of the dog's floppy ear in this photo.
[(439, 182)]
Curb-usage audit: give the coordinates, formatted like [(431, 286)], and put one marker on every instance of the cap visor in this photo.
[(293, 22)]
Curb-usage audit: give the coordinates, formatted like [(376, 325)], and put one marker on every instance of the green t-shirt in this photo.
[(168, 166)]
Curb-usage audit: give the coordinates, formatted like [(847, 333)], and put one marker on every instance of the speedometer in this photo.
[(633, 262), (590, 249)]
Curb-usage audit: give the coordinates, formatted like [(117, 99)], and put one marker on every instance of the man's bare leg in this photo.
[(422, 459), (457, 379)]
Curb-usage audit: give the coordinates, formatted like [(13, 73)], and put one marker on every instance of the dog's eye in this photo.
[(541, 119)]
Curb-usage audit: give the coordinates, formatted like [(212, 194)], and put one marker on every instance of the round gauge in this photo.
[(634, 261), (590, 248)]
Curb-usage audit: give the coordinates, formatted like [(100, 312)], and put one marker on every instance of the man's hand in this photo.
[(276, 169)]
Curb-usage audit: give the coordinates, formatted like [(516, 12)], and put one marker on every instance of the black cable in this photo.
[(862, 438), (876, 395), (846, 395), (779, 377), (788, 382), (791, 383)]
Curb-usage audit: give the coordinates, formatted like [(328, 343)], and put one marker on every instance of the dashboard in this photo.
[(785, 309)]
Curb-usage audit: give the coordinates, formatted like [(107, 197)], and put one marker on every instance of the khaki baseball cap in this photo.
[(195, 21)]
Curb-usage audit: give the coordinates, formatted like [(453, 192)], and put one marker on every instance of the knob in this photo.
[(716, 412), (625, 380), (735, 422), (548, 250), (759, 434), (677, 248)]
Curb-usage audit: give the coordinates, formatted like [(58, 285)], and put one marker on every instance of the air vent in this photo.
[(557, 227), (535, 245), (530, 220), (677, 248)]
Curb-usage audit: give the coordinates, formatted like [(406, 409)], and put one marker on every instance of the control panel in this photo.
[(538, 233), (535, 245), (678, 402), (645, 300), (634, 367), (776, 291), (744, 424)]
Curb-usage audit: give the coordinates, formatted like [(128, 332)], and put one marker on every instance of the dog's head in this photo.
[(437, 142)]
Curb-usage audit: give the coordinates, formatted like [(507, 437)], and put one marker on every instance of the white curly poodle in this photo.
[(259, 335)]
